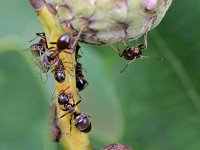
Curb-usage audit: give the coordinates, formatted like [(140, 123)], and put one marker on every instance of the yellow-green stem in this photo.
[(76, 140)]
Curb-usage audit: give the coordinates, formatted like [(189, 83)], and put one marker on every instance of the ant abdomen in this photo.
[(82, 122)]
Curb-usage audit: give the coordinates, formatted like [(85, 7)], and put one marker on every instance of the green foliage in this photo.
[(151, 106), (23, 109)]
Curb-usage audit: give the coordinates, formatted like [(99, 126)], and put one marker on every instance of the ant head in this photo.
[(63, 98), (64, 41)]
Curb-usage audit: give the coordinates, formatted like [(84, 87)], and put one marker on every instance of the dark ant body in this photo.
[(65, 44), (81, 83), (39, 48), (59, 71), (133, 52), (81, 120)]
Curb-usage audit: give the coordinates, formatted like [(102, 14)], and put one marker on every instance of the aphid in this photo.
[(81, 120), (133, 52)]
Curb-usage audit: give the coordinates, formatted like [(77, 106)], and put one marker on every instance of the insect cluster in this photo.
[(48, 60)]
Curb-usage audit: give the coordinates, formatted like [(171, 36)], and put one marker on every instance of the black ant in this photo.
[(39, 48), (81, 83), (59, 71), (133, 52), (81, 120)]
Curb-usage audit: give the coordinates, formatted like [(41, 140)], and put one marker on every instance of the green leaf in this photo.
[(24, 105)]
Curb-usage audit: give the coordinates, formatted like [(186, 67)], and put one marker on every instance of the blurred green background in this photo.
[(151, 106)]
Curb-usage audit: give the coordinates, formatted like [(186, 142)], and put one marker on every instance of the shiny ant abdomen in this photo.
[(81, 120)]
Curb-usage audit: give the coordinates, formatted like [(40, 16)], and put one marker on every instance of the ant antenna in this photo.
[(33, 38), (38, 35), (153, 58)]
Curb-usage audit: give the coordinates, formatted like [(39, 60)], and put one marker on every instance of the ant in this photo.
[(81, 83), (133, 52), (39, 48), (81, 120), (59, 71)]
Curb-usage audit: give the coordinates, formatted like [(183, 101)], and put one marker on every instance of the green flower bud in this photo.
[(109, 21)]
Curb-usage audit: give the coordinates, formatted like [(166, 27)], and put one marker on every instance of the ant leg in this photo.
[(79, 95), (33, 39), (66, 88), (77, 103), (70, 122), (145, 40), (46, 79), (41, 34), (53, 42), (124, 43), (78, 37), (116, 50), (127, 65), (65, 113), (50, 48), (52, 96)]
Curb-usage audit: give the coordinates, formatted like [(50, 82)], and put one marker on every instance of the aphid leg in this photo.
[(127, 65)]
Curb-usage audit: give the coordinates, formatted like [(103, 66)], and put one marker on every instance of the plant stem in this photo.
[(74, 140)]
